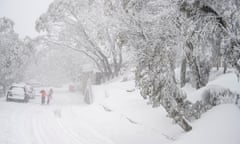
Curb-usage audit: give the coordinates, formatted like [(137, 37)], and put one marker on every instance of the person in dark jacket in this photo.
[(43, 95)]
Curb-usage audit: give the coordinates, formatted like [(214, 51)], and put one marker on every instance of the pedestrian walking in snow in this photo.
[(43, 96), (49, 95)]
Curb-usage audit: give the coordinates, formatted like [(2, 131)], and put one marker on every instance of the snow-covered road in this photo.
[(32, 123), (116, 117), (67, 120)]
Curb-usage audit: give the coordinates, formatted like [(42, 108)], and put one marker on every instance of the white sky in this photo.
[(24, 13)]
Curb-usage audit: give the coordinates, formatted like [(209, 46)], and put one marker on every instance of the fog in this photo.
[(57, 67)]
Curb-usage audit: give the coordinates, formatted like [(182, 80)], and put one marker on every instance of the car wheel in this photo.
[(25, 100)]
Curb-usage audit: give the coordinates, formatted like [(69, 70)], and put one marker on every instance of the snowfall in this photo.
[(118, 115)]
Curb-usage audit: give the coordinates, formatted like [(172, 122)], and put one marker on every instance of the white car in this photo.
[(17, 92)]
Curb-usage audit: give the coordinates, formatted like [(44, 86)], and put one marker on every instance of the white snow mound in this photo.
[(218, 126)]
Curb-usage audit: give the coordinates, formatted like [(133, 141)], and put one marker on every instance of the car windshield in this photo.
[(17, 90)]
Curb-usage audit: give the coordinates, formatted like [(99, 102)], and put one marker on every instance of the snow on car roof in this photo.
[(18, 85)]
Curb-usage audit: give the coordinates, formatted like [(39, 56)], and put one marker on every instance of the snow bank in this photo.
[(124, 116), (128, 118), (218, 126), (227, 81)]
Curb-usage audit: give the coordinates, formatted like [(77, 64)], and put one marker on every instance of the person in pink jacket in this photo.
[(43, 95)]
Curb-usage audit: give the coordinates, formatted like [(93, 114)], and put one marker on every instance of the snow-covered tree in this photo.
[(87, 27), (198, 26), (213, 30), (14, 53), (155, 37)]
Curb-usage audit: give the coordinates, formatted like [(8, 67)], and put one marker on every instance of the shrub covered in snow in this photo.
[(212, 96), (216, 95)]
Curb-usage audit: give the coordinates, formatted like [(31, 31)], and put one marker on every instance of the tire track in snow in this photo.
[(20, 127), (17, 125), (6, 125), (38, 131), (36, 124), (75, 139), (80, 132), (60, 130), (81, 123), (28, 123), (48, 131)]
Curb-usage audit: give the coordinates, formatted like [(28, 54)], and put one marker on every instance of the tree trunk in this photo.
[(224, 67), (106, 62), (197, 74), (115, 66), (218, 62), (179, 119), (107, 73), (5, 88), (185, 125), (192, 61), (183, 72), (237, 99)]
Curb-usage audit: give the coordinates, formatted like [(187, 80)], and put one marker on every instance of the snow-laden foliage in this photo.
[(14, 53), (212, 32), (92, 28), (156, 44), (198, 27), (158, 34), (217, 95), (211, 96)]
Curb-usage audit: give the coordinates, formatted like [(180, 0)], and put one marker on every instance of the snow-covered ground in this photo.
[(119, 115), (217, 79), (69, 121), (218, 126)]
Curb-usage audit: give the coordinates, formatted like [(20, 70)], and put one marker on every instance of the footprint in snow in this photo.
[(57, 113)]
